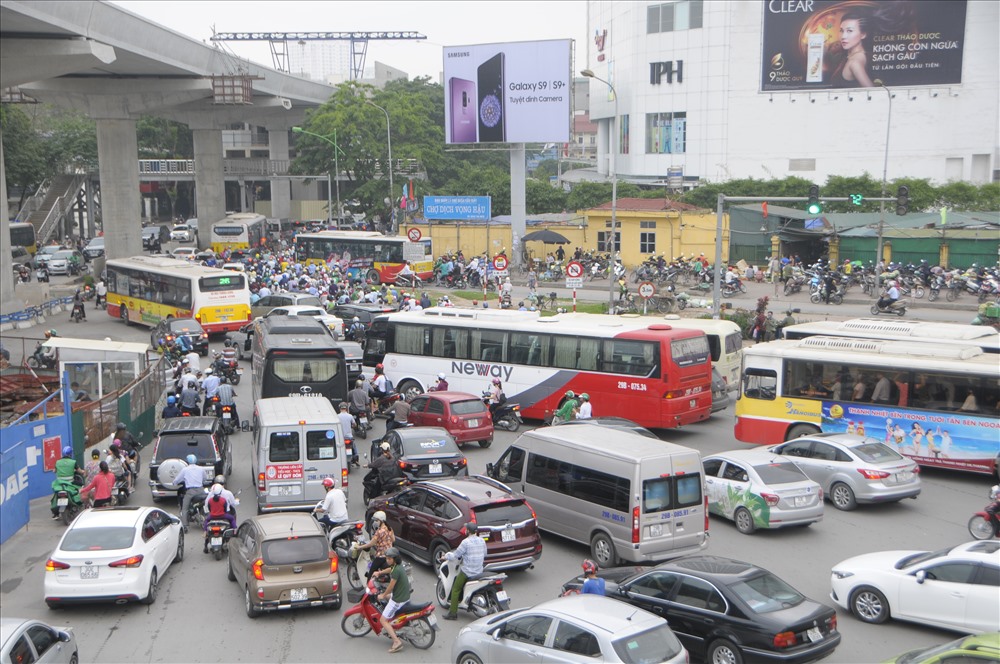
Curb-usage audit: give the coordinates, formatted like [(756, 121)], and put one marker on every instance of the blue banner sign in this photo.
[(457, 208)]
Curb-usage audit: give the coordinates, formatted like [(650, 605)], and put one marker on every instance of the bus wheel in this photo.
[(373, 276), (800, 430), (124, 315), (410, 389)]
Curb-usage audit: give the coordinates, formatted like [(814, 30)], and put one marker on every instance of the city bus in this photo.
[(238, 231), (295, 356), (983, 336), (22, 234), (366, 255), (725, 341), (648, 372), (940, 410), (148, 289)]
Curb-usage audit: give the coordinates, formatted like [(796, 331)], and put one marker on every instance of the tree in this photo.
[(541, 197), (24, 152)]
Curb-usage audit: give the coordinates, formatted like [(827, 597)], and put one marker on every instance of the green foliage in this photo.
[(163, 139), (541, 197), (23, 149)]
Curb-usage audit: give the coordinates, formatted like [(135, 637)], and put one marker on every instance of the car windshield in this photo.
[(498, 514), (311, 301), (780, 473), (920, 557), (928, 654), (98, 539), (186, 327), (63, 254), (876, 452), (295, 550), (429, 445), (767, 593), (654, 645), (178, 446), (468, 407)]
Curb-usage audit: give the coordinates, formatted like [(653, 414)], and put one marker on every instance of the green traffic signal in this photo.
[(856, 199), (814, 207)]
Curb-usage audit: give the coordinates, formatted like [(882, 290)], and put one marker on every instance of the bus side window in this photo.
[(760, 384)]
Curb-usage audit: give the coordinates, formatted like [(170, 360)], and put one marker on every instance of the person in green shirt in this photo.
[(397, 593), (568, 410), (69, 478)]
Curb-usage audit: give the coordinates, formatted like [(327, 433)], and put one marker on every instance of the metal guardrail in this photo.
[(32, 313), (59, 209), (155, 166), (33, 203)]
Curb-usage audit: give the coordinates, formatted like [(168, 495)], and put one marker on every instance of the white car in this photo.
[(184, 253), (335, 325), (25, 640), (181, 233), (113, 554), (956, 588)]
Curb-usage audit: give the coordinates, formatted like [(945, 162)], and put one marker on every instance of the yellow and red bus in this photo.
[(148, 289), (934, 403), (365, 254), (243, 230), (22, 234)]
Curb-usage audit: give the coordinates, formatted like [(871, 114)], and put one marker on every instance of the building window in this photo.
[(666, 133), (647, 243), (647, 224), (623, 139), (603, 241), (674, 16)]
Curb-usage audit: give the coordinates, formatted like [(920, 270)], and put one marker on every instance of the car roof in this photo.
[(753, 455), (174, 323), (294, 309), (411, 435), (845, 439), (985, 550), (128, 515), (473, 488), (717, 567), (617, 423), (282, 524), (189, 425), (600, 613), (452, 396)]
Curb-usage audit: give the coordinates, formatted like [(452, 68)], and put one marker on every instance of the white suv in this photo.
[(181, 233)]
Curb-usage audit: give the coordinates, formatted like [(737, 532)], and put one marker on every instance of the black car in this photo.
[(366, 313), (726, 610), (171, 328), (425, 453), (203, 437)]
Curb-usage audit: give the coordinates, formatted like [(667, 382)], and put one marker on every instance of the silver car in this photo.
[(26, 640), (575, 628), (853, 469)]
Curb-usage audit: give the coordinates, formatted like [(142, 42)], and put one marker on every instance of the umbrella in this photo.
[(546, 236)]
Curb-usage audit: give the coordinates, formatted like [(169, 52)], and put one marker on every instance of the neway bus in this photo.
[(366, 255), (23, 235), (651, 373), (725, 341), (147, 289), (238, 231), (983, 336), (939, 407)]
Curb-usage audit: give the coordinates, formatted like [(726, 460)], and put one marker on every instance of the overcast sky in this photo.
[(444, 23)]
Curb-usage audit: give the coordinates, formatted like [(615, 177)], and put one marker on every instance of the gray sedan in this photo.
[(26, 640), (853, 469)]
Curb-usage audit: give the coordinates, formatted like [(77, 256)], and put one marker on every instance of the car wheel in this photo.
[(252, 611), (744, 521), (723, 652), (437, 551), (153, 586), (179, 556), (869, 605), (800, 430), (842, 497), (468, 658), (602, 549), (75, 659), (229, 571), (485, 443)]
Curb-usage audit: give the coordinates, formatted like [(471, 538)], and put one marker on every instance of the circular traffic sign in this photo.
[(413, 234), (500, 263), (646, 290), (574, 269)]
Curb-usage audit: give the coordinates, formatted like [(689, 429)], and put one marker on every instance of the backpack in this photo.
[(115, 466)]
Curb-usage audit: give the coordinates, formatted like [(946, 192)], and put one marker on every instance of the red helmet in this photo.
[(589, 567), (328, 482)]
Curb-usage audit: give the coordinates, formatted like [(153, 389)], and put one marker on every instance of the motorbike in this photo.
[(362, 426), (375, 487), (228, 368), (358, 561), (343, 535), (482, 595), (38, 360), (836, 297), (505, 301), (217, 534), (196, 514), (383, 404), (414, 623), (66, 498), (120, 493), (42, 275), (898, 307), (23, 275), (982, 526), (506, 415), (77, 314), (226, 416)]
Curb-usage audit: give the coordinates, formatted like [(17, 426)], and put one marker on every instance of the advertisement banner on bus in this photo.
[(958, 440)]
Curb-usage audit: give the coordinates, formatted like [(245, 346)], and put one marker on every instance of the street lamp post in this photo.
[(336, 167), (614, 190), (885, 170), (388, 140)]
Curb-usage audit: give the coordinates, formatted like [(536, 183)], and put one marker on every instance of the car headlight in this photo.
[(841, 575)]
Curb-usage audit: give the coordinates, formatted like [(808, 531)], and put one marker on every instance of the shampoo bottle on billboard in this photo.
[(464, 120), (814, 58), (491, 100)]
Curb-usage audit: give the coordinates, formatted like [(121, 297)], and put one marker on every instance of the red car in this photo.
[(463, 415)]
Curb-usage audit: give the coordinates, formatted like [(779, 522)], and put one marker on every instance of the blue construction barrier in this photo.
[(32, 313), (14, 497)]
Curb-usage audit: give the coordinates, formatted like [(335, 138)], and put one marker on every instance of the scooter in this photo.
[(77, 314), (358, 561), (482, 595), (119, 494), (42, 275), (898, 307), (217, 534), (414, 623), (374, 487), (67, 500), (982, 526), (38, 359), (362, 425), (507, 415)]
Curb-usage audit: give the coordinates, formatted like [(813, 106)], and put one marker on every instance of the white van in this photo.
[(631, 498), (297, 443)]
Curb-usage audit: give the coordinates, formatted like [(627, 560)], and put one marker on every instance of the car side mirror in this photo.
[(65, 637), (246, 344), (489, 470), (229, 532), (174, 519), (156, 432), (921, 576)]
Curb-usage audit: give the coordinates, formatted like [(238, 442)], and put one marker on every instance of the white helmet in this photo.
[(216, 490), (379, 516), (208, 370), (441, 375), (995, 492)]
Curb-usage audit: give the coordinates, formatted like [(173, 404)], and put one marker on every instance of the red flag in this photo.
[(763, 206)]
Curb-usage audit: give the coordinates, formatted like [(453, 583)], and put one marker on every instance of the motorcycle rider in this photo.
[(69, 478), (441, 385), (568, 410), (127, 439), (889, 297), (118, 464), (585, 411), (396, 594), (382, 539), (347, 425), (102, 484), (994, 507), (229, 351), (592, 584), (472, 553), (356, 332), (50, 354), (211, 387), (829, 284), (385, 465), (78, 306), (101, 293), (496, 396), (171, 410), (227, 396), (334, 506), (358, 399), (217, 506), (379, 383), (189, 399), (398, 414), (191, 479)]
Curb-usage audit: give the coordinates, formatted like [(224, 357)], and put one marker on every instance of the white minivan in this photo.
[(631, 498), (297, 443)]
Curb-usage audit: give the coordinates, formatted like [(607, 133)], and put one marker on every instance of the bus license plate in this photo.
[(299, 594), (435, 468), (62, 502), (89, 572), (507, 535), (216, 541)]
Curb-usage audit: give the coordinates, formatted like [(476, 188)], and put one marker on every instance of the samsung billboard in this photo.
[(508, 93), (825, 44)]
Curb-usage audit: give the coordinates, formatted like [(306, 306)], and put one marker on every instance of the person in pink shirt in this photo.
[(102, 486)]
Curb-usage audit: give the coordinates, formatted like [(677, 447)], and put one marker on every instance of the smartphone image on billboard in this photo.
[(463, 110), (492, 118)]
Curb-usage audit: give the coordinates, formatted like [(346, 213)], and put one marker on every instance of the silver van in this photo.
[(297, 443), (631, 498)]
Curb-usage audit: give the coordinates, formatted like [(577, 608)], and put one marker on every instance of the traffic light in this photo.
[(902, 200), (814, 207), (857, 199)]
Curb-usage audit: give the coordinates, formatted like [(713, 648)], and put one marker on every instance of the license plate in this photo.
[(216, 541), (814, 634), (502, 595), (473, 423), (226, 415), (434, 468), (656, 530), (904, 476), (62, 502), (239, 372), (507, 535), (433, 620), (299, 594), (284, 491), (364, 421), (223, 317), (692, 403), (801, 501), (89, 572)]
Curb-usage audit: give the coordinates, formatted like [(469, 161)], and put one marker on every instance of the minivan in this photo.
[(631, 498), (296, 444)]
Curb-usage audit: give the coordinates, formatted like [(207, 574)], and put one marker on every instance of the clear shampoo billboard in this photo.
[(827, 44), (516, 92)]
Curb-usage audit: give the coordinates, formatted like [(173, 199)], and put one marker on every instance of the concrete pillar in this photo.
[(209, 182), (91, 207), (518, 205), (6, 262), (121, 201), (281, 188)]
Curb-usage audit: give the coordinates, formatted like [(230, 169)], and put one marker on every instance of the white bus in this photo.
[(238, 231), (725, 341), (148, 289), (984, 336)]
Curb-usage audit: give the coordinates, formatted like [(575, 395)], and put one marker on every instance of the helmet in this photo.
[(50, 333), (570, 394), (379, 367), (222, 379), (995, 491), (392, 552), (120, 426), (171, 399), (116, 445), (208, 370), (95, 453), (220, 479), (68, 451), (328, 482), (384, 447), (216, 490), (191, 459), (471, 528), (228, 343), (359, 383), (585, 396), (355, 320), (440, 375), (589, 566), (496, 381), (343, 405), (379, 516)]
